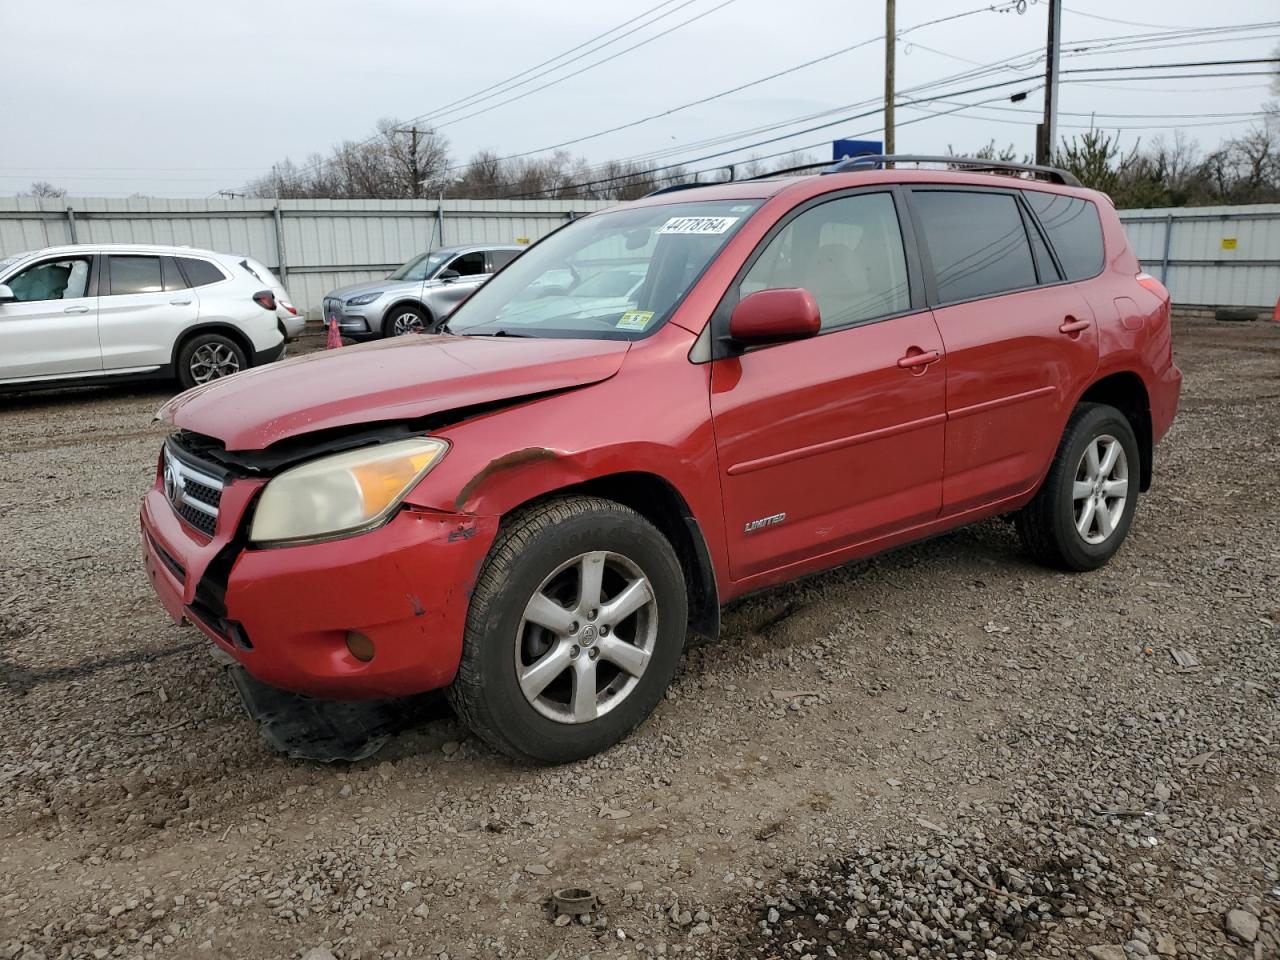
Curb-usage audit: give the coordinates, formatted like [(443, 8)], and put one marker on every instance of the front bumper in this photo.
[(284, 613), (356, 322)]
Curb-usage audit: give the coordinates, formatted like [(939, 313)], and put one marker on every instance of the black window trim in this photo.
[(1044, 232), (926, 259), (90, 286), (1030, 224), (718, 325)]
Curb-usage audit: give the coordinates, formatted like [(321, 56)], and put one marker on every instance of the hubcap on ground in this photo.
[(213, 360), (407, 323), (1101, 488), (586, 637)]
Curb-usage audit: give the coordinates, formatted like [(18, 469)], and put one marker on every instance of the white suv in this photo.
[(115, 311)]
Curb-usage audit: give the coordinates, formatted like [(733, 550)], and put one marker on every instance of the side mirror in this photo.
[(6, 294), (447, 275), (774, 316)]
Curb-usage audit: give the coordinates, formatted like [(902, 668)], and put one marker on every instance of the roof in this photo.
[(814, 184), (170, 249)]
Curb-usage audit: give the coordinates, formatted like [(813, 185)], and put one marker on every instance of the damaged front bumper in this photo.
[(285, 613)]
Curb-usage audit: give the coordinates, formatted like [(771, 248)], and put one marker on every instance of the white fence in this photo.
[(1211, 256), (313, 245), (1207, 256)]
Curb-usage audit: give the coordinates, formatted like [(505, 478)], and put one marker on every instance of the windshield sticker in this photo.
[(635, 320), (698, 226)]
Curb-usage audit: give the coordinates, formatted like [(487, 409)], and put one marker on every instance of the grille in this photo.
[(193, 493)]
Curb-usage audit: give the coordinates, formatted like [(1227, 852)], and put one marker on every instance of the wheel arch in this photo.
[(1126, 391), (659, 502), (227, 329), (405, 302)]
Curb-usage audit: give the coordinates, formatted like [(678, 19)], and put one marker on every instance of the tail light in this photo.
[(265, 299), (1148, 282), (288, 306)]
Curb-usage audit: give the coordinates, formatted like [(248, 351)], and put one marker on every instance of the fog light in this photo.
[(361, 647)]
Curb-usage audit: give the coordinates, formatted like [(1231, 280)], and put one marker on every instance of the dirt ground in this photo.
[(941, 752)]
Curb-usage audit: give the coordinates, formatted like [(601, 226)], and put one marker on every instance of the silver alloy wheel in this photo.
[(407, 322), (213, 360), (1101, 489), (586, 637)]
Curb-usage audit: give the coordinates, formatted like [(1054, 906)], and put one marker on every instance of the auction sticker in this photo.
[(634, 320), (698, 226)]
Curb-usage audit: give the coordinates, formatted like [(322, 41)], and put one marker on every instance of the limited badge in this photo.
[(634, 320), (698, 226)]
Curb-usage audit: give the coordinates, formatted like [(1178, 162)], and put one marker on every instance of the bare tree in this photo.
[(44, 189)]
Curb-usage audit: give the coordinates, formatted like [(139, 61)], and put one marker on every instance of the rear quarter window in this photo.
[(1074, 229), (201, 272)]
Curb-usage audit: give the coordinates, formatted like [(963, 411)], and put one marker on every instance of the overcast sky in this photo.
[(181, 99)]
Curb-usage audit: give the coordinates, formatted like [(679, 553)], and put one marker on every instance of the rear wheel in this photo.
[(1082, 512), (209, 356), (575, 630), (403, 320)]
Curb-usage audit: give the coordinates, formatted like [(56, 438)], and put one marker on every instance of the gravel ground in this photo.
[(945, 752)]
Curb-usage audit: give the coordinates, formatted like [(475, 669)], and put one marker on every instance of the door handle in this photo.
[(1071, 325), (179, 303), (922, 359), (76, 310)]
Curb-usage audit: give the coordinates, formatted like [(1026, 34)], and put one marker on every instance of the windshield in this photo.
[(420, 267), (617, 275)]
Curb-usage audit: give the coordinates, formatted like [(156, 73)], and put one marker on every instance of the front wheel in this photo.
[(575, 630), (404, 320), (1082, 513)]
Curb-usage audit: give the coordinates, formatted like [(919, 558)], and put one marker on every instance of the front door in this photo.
[(472, 271), (52, 326), (1021, 345), (828, 442)]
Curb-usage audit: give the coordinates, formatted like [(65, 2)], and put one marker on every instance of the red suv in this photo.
[(657, 409)]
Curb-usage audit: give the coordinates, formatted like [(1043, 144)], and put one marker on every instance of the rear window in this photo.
[(1074, 230), (977, 243), (200, 272), (500, 258)]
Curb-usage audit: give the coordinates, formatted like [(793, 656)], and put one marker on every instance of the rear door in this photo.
[(145, 304), (52, 326), (828, 442), (1021, 343)]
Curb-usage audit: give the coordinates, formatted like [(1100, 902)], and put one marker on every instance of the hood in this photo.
[(372, 286), (404, 378)]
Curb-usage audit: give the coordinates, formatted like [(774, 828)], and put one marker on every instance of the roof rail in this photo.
[(673, 187), (1051, 174)]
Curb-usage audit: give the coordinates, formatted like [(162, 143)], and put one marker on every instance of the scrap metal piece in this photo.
[(305, 728), (573, 901)]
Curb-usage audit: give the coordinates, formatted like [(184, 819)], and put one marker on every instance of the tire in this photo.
[(209, 356), (546, 551), (1050, 525), (405, 319)]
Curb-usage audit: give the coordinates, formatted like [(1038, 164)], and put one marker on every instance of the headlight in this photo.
[(364, 298), (343, 494)]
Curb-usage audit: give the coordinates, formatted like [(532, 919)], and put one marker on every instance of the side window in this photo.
[(135, 275), (977, 243), (1074, 230), (500, 258), (846, 252), (173, 279), (64, 279), (201, 273), (468, 264)]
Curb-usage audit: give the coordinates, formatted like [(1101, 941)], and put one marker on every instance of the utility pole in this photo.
[(414, 176), (890, 41), (1047, 131)]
